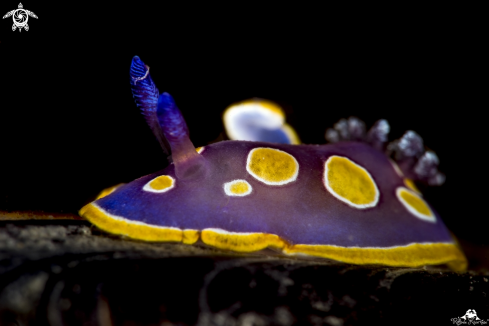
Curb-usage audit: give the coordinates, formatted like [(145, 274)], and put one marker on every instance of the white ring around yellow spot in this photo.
[(272, 166), (415, 204), (350, 182), (160, 184), (238, 188), (200, 149)]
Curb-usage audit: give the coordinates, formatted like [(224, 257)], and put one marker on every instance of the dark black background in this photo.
[(69, 126)]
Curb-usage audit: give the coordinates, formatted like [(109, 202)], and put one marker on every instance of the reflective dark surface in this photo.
[(64, 274)]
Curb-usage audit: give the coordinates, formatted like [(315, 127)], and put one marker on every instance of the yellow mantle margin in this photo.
[(412, 255)]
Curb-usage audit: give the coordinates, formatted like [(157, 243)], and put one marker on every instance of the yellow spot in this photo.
[(199, 149), (415, 204), (243, 242), (411, 185), (350, 183), (237, 188), (272, 166), (108, 191), (160, 184)]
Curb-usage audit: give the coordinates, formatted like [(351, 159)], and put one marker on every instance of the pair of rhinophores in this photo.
[(346, 200)]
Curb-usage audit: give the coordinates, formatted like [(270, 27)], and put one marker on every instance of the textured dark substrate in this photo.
[(68, 273)]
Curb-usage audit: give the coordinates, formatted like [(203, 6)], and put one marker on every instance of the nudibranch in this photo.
[(347, 200)]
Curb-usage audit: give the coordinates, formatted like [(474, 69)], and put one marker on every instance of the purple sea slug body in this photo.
[(346, 201)]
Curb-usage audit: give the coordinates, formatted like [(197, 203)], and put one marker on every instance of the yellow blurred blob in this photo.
[(241, 121), (272, 166), (350, 183), (415, 204)]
